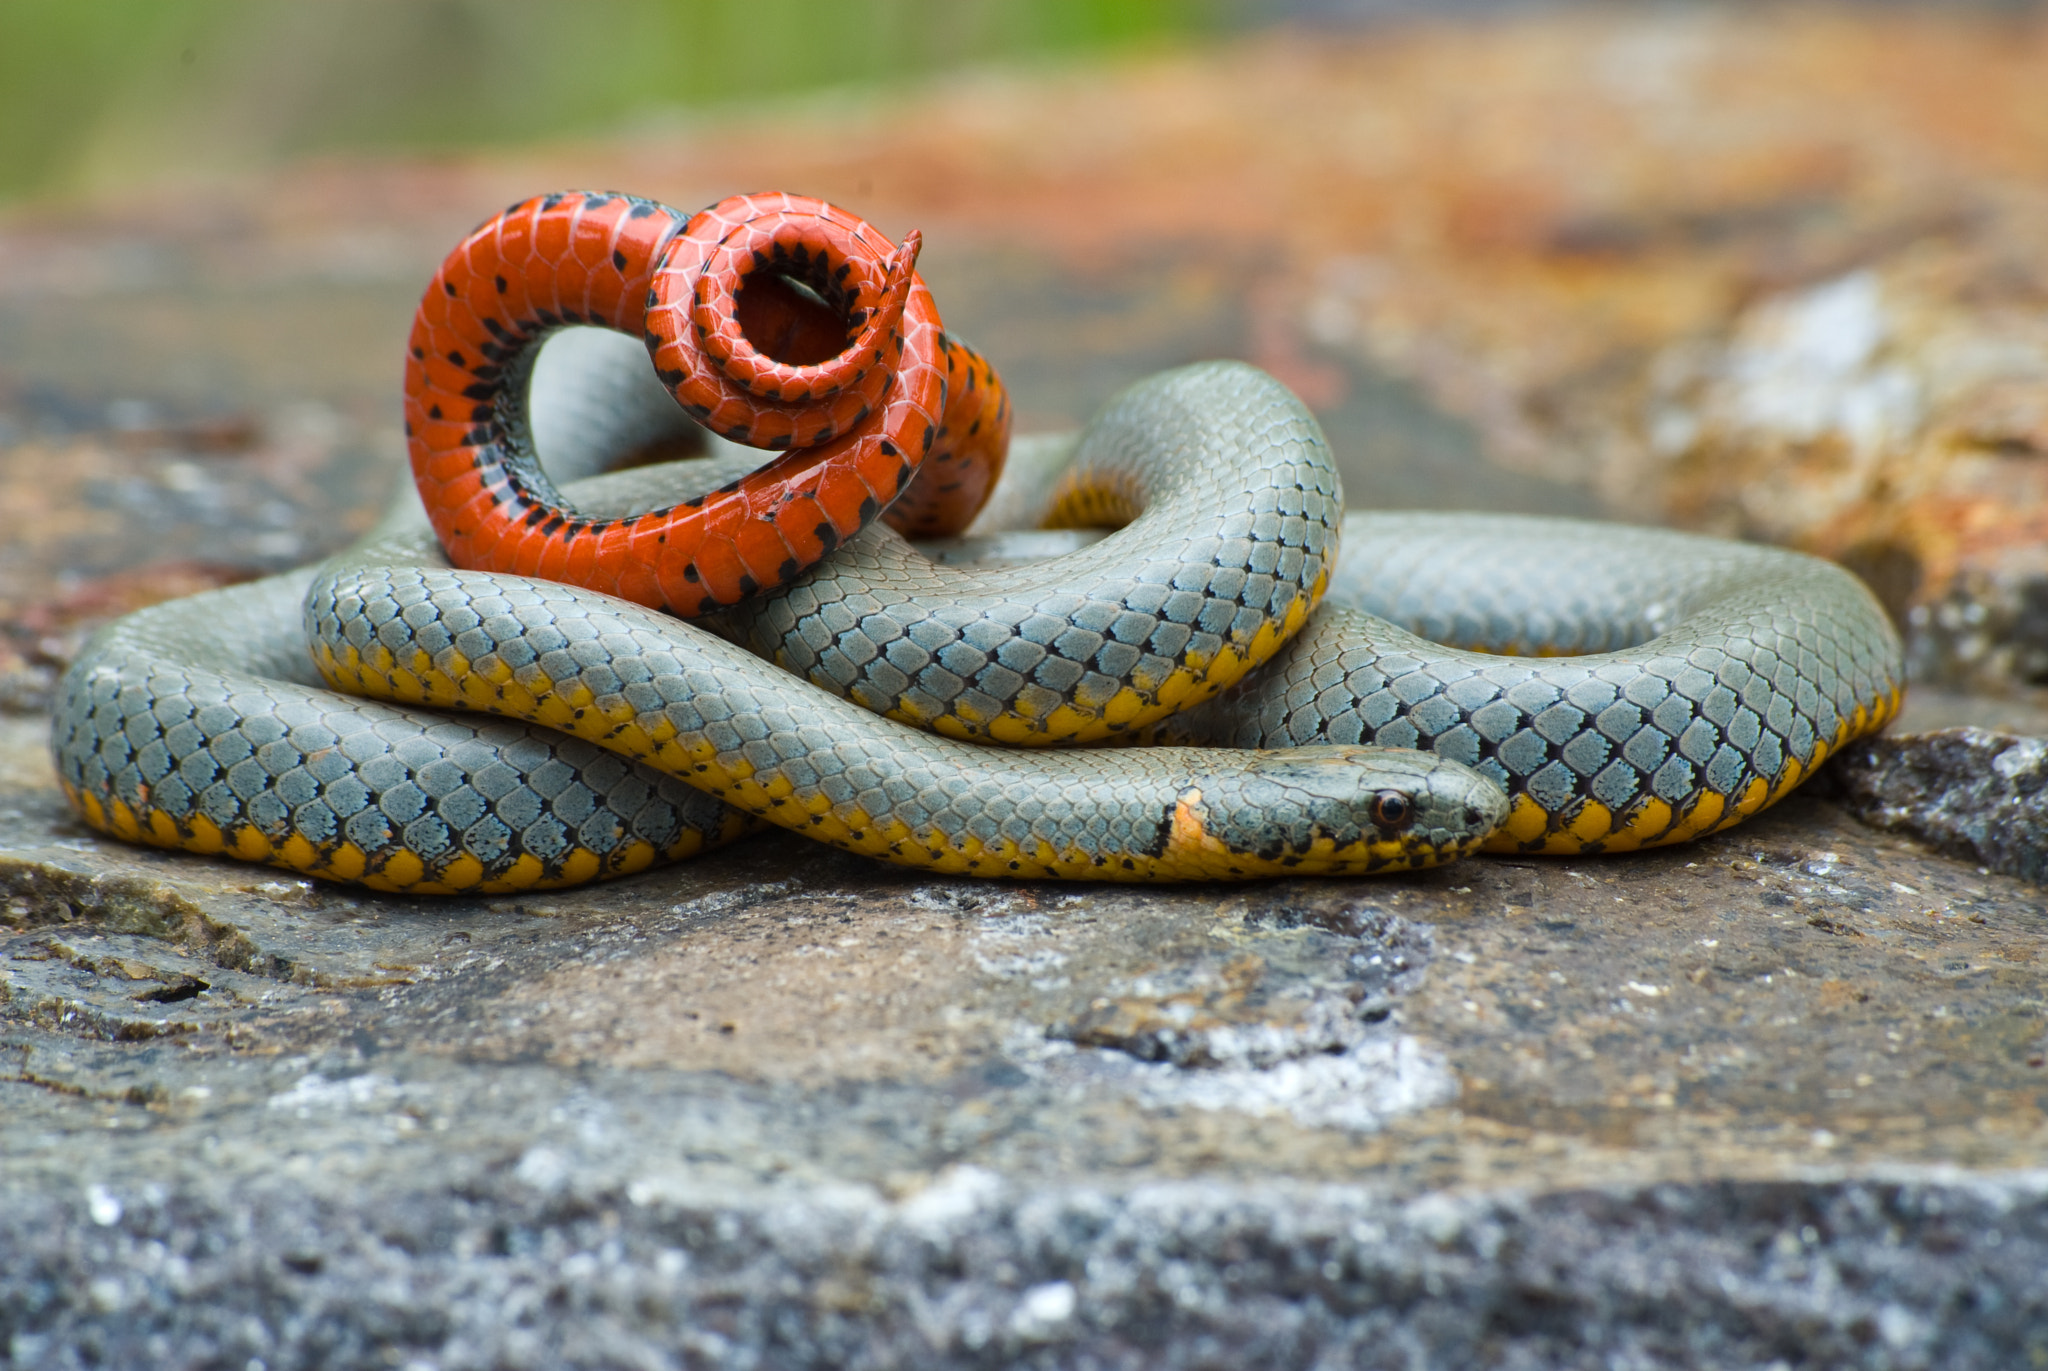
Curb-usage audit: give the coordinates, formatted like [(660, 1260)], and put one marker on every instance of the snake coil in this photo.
[(1708, 678)]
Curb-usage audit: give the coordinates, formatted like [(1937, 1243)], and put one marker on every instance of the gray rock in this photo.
[(1772, 1099), (1974, 792)]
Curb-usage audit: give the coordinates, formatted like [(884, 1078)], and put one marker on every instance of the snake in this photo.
[(1705, 678)]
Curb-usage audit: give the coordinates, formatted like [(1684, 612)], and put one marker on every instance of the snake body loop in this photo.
[(1230, 509), (1706, 678), (201, 724), (861, 397)]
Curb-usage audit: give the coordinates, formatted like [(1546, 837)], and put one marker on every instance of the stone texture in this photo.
[(1774, 1095), (1976, 793), (1775, 1099)]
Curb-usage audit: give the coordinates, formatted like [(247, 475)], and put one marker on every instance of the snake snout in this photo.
[(1347, 809)]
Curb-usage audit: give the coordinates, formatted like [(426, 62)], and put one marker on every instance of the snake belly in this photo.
[(876, 407), (1706, 678)]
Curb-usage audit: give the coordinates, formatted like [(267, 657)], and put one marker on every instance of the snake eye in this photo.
[(1392, 810)]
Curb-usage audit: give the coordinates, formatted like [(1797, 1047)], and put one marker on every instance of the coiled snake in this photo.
[(1710, 677)]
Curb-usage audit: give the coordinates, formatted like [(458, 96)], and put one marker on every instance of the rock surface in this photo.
[(1774, 1099), (1973, 792), (1774, 1095)]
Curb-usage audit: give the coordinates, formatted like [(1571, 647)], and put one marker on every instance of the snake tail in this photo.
[(777, 320)]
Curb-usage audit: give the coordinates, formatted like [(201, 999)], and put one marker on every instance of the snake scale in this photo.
[(1705, 678)]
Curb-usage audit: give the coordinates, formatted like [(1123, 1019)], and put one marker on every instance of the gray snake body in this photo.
[(177, 728)]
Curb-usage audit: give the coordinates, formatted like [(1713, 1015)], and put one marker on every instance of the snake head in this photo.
[(1335, 811)]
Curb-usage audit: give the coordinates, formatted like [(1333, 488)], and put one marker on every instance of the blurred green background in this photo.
[(96, 91)]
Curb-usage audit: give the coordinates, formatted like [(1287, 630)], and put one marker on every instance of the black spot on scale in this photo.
[(433, 411), (458, 359), (498, 330), (537, 515), (690, 571), (868, 509), (408, 428), (449, 287), (643, 208), (827, 535), (729, 487), (552, 199), (748, 585), (482, 390), (889, 449), (482, 414), (1128, 864), (929, 434), (786, 573), (419, 353), (675, 376), (844, 269), (903, 475), (503, 285), (618, 259)]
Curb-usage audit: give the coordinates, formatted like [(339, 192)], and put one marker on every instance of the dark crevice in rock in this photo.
[(40, 896), (1971, 792)]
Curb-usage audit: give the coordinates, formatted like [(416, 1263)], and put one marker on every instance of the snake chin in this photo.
[(1337, 810)]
